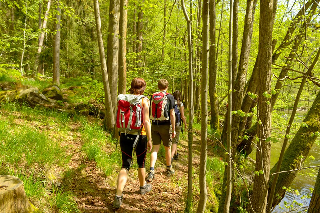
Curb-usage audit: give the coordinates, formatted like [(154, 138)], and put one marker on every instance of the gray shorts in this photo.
[(176, 139), (161, 132)]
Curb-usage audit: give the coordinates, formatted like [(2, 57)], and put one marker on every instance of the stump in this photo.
[(12, 195)]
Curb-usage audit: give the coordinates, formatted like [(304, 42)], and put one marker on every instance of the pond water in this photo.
[(303, 182)]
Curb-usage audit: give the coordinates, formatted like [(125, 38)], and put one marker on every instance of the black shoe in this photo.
[(176, 156), (117, 201), (150, 176), (145, 189)]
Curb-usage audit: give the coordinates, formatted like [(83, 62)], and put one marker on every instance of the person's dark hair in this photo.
[(138, 85), (163, 84), (177, 96)]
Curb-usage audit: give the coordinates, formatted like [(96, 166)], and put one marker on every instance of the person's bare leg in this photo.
[(142, 176), (154, 155), (173, 149), (168, 155), (122, 180)]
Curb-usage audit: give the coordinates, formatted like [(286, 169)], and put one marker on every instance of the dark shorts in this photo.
[(175, 140), (126, 144), (161, 132)]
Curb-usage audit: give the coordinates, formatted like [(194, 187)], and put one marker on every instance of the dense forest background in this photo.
[(248, 72)]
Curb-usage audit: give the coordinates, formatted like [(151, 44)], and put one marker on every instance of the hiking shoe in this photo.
[(145, 189), (176, 156), (150, 176), (117, 201), (170, 172)]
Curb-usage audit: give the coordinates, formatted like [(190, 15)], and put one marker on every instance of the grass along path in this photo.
[(69, 164)]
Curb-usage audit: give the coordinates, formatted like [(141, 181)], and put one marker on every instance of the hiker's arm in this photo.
[(146, 123), (182, 116), (173, 122)]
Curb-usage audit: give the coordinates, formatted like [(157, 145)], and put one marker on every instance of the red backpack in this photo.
[(129, 113), (159, 108)]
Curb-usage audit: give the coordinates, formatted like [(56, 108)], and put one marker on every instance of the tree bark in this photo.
[(123, 47), (139, 38), (109, 118), (190, 129), (294, 24), (262, 168), (235, 39), (113, 49), (314, 205), (12, 195), (164, 27), (284, 145), (213, 68), (204, 107), (299, 147), (38, 66), (56, 47)]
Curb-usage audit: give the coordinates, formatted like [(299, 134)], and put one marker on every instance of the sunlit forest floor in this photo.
[(68, 163)]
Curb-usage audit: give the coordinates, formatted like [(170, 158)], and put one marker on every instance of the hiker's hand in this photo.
[(149, 145), (173, 134)]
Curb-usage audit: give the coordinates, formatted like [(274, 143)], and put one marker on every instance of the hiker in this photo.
[(162, 115), (179, 113), (136, 136)]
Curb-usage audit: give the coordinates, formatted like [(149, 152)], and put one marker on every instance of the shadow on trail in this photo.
[(89, 189)]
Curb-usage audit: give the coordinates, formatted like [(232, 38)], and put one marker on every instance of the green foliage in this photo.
[(94, 141)]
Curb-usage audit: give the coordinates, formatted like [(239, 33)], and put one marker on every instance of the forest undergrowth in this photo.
[(68, 163)]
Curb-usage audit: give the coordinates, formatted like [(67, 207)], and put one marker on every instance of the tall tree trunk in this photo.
[(109, 119), (284, 145), (244, 61), (213, 68), (190, 129), (37, 65), (24, 40), (204, 107), (164, 27), (248, 103), (314, 205), (113, 49), (235, 39), (294, 24), (139, 38), (56, 47), (123, 47), (229, 154), (299, 147), (262, 168)]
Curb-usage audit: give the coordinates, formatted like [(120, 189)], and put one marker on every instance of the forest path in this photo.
[(94, 192)]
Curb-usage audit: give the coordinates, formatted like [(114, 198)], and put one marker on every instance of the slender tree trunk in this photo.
[(238, 92), (204, 107), (246, 144), (122, 47), (190, 129), (262, 168), (291, 162), (56, 47), (314, 205), (164, 27), (139, 38), (294, 24), (38, 66), (213, 68), (109, 119), (235, 32), (229, 154), (113, 49), (24, 40), (284, 145)]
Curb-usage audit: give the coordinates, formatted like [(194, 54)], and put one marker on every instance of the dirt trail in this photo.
[(94, 192)]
